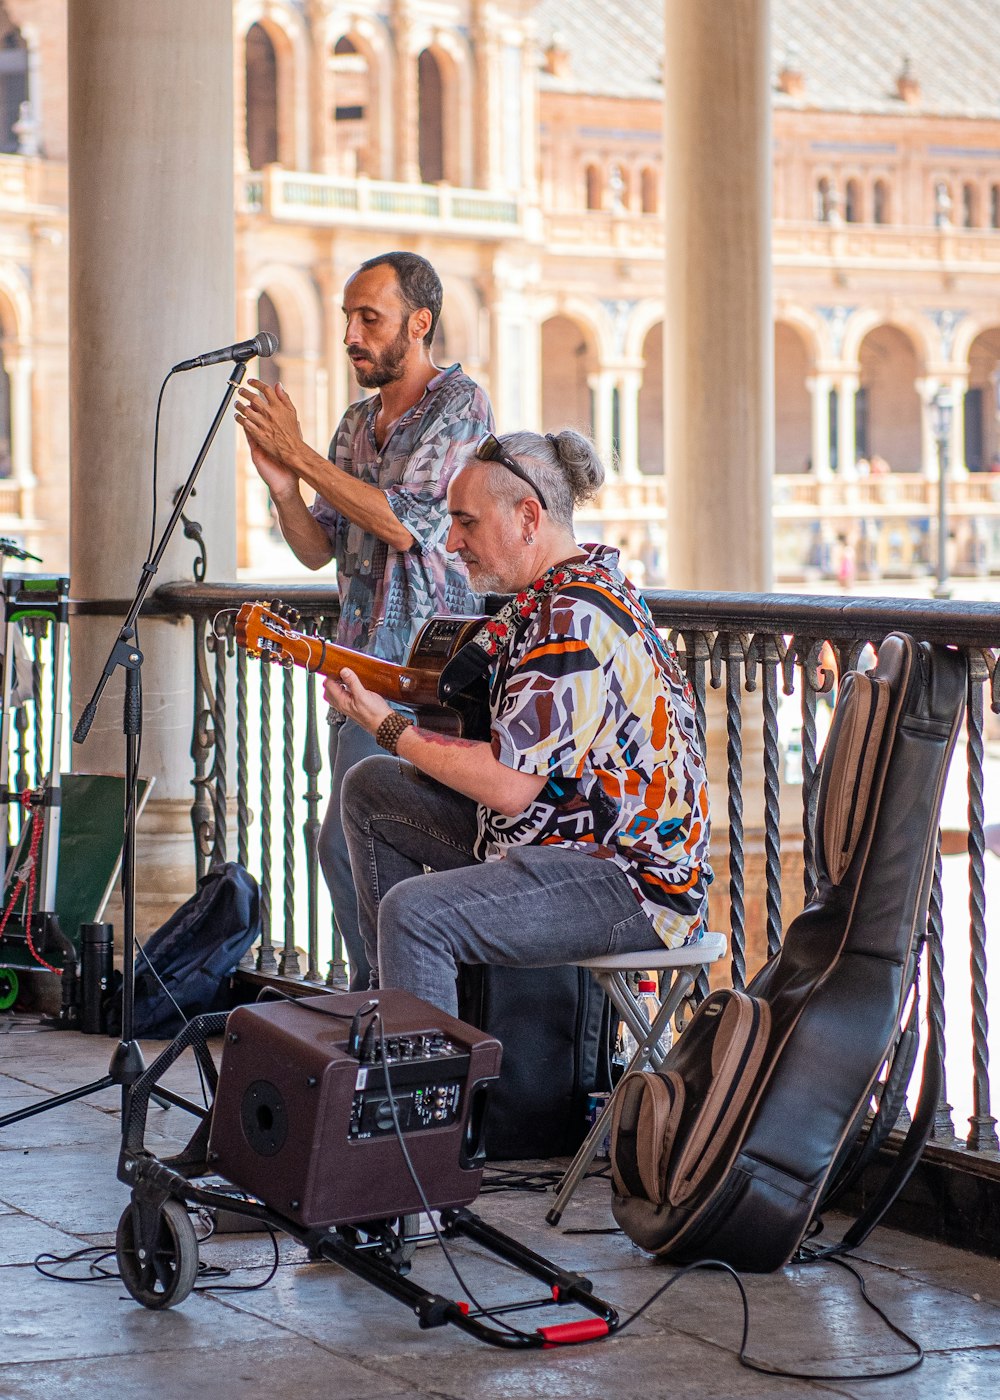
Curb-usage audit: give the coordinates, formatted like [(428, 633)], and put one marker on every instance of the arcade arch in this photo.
[(889, 408), (353, 111), (982, 402), (569, 361), (792, 401)]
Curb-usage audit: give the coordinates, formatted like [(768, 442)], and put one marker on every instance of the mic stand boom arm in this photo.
[(127, 1062)]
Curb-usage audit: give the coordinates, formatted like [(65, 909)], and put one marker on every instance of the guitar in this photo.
[(268, 631)]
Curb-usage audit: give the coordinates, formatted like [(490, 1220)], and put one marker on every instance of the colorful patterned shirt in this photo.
[(386, 594), (592, 696)]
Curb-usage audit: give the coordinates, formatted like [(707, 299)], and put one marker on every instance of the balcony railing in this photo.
[(888, 522), (302, 197), (760, 684)]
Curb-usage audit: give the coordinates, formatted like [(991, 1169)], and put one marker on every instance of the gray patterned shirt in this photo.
[(385, 595)]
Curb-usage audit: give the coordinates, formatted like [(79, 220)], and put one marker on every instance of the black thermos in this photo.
[(96, 961)]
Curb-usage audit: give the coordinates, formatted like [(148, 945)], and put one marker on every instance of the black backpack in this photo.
[(183, 968)]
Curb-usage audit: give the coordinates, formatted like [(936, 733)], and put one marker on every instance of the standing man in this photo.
[(379, 509), (580, 826)]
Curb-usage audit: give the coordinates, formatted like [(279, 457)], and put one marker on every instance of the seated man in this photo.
[(579, 827)]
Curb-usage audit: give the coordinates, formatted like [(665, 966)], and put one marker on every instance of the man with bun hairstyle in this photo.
[(580, 825), (377, 501)]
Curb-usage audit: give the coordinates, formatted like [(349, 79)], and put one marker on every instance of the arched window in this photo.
[(995, 206), (650, 185), (269, 368), (595, 187), (430, 98), (880, 202), (351, 116), (824, 200), (852, 202), (969, 203), (262, 98), (13, 81)]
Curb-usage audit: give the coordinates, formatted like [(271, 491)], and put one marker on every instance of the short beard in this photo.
[(389, 367)]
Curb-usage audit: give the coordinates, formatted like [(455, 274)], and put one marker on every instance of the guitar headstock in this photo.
[(269, 630)]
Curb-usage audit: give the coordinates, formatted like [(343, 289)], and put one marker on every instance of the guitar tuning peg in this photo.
[(293, 616)]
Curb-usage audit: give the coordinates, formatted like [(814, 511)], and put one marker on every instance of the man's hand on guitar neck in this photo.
[(468, 765)]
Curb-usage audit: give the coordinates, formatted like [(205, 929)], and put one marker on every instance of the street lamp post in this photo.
[(942, 410)]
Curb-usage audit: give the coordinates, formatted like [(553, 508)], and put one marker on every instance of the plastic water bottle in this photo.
[(650, 1002), (645, 992)]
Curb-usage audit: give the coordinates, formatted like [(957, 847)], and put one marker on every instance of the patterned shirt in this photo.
[(591, 695), (386, 594)]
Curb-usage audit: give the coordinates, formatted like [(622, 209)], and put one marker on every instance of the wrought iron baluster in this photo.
[(982, 1125), (242, 781), (312, 762), (202, 742), (944, 1126), (266, 960), (729, 650), (770, 660), (223, 650), (288, 964), (248, 960), (812, 687)]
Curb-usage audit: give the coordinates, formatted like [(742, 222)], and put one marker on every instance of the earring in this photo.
[(529, 539)]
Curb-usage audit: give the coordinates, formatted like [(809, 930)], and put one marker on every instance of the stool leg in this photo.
[(577, 1169)]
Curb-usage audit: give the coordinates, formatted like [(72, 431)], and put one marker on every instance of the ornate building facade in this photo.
[(518, 145)]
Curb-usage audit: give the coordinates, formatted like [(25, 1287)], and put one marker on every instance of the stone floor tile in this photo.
[(254, 1371)]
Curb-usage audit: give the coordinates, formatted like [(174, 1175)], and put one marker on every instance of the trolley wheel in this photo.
[(167, 1276), (10, 985)]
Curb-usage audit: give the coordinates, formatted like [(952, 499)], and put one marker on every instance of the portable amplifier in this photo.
[(302, 1117)]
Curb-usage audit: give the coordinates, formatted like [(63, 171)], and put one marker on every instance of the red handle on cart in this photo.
[(565, 1333)]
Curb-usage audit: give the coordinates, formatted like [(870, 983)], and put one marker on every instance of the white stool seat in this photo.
[(679, 969), (708, 949)]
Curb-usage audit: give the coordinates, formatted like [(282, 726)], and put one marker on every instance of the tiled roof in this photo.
[(850, 52)]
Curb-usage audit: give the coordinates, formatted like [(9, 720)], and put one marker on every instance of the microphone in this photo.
[(263, 345)]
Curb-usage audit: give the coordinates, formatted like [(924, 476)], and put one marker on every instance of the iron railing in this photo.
[(762, 676)]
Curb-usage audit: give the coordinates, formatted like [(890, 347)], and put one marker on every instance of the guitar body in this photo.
[(268, 631)]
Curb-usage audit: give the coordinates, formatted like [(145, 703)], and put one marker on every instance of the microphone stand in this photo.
[(127, 1063)]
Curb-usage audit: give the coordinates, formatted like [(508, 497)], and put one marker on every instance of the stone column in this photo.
[(718, 349), (847, 390), (629, 384), (956, 449), (819, 389), (602, 385), (151, 283), (717, 334), (407, 99)]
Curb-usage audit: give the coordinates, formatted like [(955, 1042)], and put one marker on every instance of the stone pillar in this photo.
[(819, 389), (718, 334), (151, 283), (927, 388), (629, 384), (956, 448), (847, 391), (407, 99), (602, 386)]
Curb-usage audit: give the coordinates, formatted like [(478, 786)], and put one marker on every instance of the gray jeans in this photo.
[(348, 744), (540, 906)]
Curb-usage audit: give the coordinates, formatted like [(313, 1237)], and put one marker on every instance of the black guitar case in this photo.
[(727, 1150)]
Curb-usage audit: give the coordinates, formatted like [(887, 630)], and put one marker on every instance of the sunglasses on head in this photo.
[(491, 450)]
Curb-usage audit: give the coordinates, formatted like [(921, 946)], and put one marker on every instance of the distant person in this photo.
[(379, 509)]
